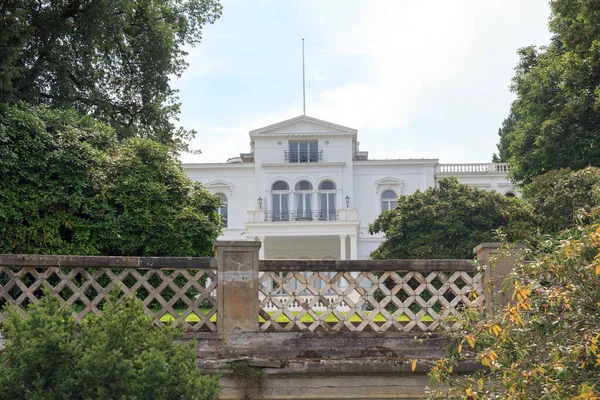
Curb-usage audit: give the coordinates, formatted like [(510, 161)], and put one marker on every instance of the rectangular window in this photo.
[(303, 152)]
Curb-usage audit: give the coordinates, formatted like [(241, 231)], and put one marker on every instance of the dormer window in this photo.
[(303, 152)]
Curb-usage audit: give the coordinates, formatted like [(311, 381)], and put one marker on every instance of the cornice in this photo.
[(306, 118), (217, 165), (409, 161), (276, 135), (304, 165)]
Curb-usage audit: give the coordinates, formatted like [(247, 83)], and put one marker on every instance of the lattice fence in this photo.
[(187, 296), (366, 301)]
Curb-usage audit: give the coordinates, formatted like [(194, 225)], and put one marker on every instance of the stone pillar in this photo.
[(354, 247), (261, 252), (237, 286), (342, 247), (498, 265)]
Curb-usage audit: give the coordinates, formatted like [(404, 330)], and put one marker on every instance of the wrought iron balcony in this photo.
[(302, 215), (303, 156)]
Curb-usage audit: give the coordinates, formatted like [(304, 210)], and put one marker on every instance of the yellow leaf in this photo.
[(471, 340), (460, 348), (414, 365)]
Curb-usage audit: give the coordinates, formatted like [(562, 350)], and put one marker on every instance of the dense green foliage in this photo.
[(447, 221), (555, 120), (544, 345), (108, 59), (117, 355), (68, 187), (558, 197)]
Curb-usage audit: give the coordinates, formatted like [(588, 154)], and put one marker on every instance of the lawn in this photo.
[(305, 319)]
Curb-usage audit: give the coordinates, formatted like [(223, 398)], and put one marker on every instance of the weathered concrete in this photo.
[(367, 265), (297, 345), (237, 266), (37, 260), (361, 378), (300, 365), (498, 263), (328, 386), (348, 365)]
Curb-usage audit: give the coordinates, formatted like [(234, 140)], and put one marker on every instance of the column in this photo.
[(499, 264), (342, 247), (237, 287), (261, 252), (354, 247)]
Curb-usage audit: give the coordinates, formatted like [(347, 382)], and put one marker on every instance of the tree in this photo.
[(554, 122), (447, 221), (67, 186), (117, 355), (559, 197), (544, 344), (108, 59)]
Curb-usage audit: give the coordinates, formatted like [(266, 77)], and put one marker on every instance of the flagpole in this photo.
[(303, 83)]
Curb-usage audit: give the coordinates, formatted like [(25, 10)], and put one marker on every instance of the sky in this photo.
[(416, 78)]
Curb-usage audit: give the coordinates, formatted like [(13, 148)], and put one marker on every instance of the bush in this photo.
[(447, 221), (559, 196), (117, 355), (544, 345), (67, 186)]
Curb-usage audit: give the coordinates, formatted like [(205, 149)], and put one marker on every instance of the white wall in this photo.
[(362, 181), (241, 195)]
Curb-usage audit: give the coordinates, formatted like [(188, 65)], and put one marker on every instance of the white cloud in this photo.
[(316, 74), (201, 65), (447, 63)]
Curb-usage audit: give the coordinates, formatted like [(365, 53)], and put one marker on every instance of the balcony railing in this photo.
[(472, 168), (303, 156), (302, 215)]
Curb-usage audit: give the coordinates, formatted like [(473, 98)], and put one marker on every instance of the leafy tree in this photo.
[(559, 196), (544, 344), (447, 221), (117, 355), (108, 59), (554, 122), (68, 187)]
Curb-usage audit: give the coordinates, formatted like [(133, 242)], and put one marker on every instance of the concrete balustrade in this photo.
[(320, 349)]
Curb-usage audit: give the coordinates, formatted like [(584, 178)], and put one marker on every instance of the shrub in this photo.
[(544, 344), (447, 221), (117, 355), (558, 196)]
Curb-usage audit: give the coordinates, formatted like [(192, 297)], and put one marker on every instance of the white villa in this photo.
[(305, 190)]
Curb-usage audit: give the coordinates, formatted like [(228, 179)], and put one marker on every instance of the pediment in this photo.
[(220, 185), (389, 183), (389, 180), (302, 125)]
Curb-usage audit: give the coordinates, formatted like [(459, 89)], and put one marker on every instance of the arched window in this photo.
[(304, 201), (327, 210), (389, 200), (223, 209), (509, 194), (280, 192)]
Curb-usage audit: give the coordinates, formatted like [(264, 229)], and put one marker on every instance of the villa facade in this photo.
[(305, 190)]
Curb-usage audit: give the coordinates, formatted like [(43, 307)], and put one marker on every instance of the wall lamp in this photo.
[(347, 201), (260, 200)]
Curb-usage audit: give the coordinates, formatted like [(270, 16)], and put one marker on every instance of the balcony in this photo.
[(292, 156), (302, 215), (262, 216), (474, 169)]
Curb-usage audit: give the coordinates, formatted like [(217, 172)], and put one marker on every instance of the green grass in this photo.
[(284, 319), (306, 318), (190, 318)]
